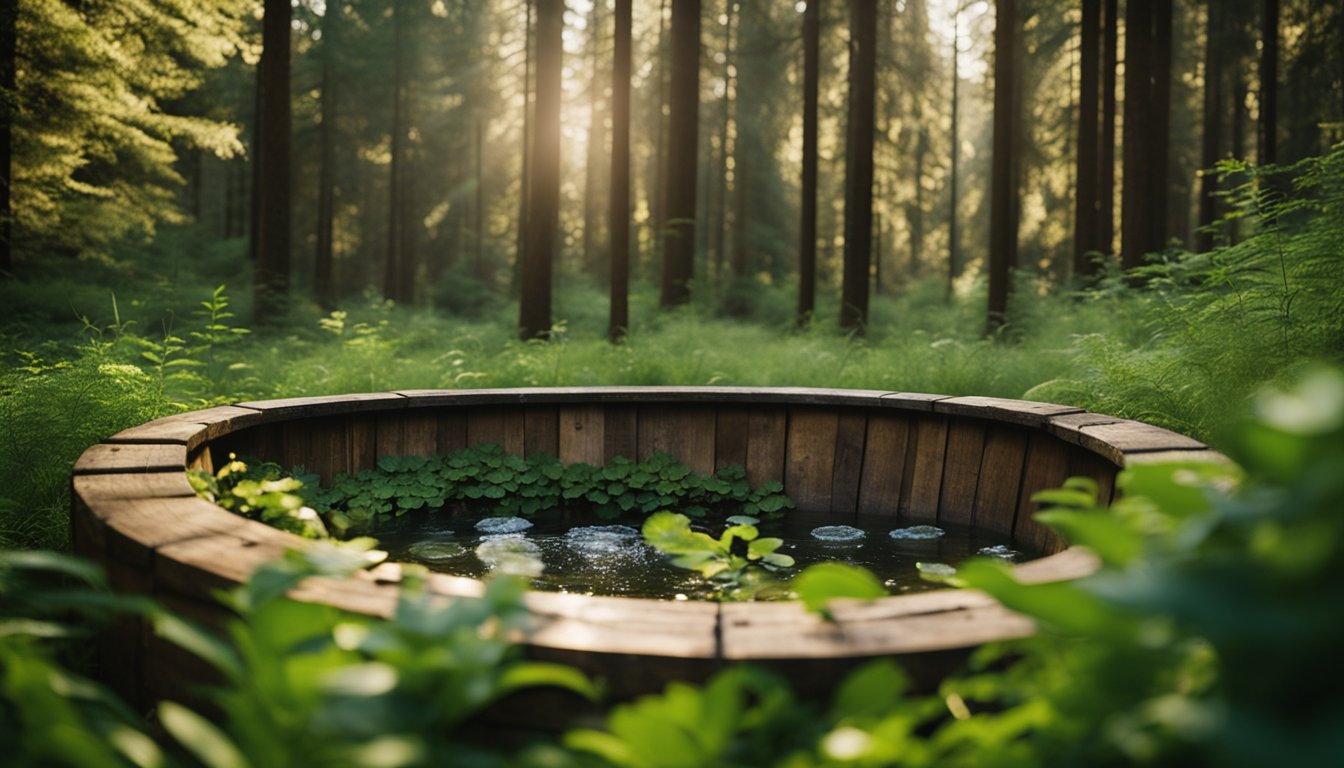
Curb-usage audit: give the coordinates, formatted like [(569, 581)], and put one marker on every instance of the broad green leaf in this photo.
[(818, 584), (206, 742)]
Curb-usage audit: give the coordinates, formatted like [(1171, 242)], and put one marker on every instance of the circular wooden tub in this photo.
[(844, 456)]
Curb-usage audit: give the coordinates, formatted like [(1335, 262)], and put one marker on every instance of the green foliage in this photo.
[(486, 476), (262, 492), (818, 584), (733, 561), (96, 138)]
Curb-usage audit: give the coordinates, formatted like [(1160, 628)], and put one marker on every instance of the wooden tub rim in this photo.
[(132, 505)]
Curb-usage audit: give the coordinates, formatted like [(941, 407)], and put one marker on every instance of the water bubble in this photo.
[(1001, 551), (603, 540), (436, 549), (511, 554), (837, 533), (918, 533), (497, 525)]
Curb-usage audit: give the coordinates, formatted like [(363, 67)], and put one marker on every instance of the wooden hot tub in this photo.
[(844, 456)]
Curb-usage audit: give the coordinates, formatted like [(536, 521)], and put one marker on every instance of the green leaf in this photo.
[(206, 742), (535, 674), (818, 584)]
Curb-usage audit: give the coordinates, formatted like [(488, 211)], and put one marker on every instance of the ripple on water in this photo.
[(511, 553), (497, 525), (599, 541), (436, 550), (1001, 551), (837, 533), (918, 533)]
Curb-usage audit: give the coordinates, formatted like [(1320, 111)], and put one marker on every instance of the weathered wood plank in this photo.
[(326, 405), (196, 566), (452, 431), (961, 471), (582, 435), (1023, 412), (767, 439), (362, 435), (131, 485), (883, 465), (731, 434), (1162, 457), (541, 430), (390, 434), (847, 473), (996, 494), (420, 432), (910, 401), (810, 457), (134, 528), (1047, 467), (686, 433), (319, 445), (923, 479), (496, 425), (1069, 426), (1087, 464), (201, 459), (620, 425), (1114, 441), (105, 458), (190, 428)]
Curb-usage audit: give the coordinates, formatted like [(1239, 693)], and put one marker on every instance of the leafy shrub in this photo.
[(485, 476)]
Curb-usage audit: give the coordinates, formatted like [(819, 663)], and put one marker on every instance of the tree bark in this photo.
[(1002, 228), (394, 264), (1146, 130), (618, 228), (683, 127), (1087, 171), (1269, 84), (592, 263), (807, 228), (323, 253), (271, 278), (534, 309), (9, 14), (1106, 161), (952, 232), (1210, 150), (718, 222), (859, 164), (524, 159)]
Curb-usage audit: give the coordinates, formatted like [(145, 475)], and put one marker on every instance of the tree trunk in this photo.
[(1106, 161), (1147, 117), (271, 278), (807, 228), (859, 164), (1210, 142), (479, 267), (658, 188), (683, 127), (956, 153), (9, 15), (524, 158), (592, 262), (1087, 203), (323, 255), (618, 228), (534, 310), (719, 219), (1269, 84), (1002, 229), (393, 266)]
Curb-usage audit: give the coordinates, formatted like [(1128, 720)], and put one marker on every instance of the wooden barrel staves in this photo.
[(854, 457)]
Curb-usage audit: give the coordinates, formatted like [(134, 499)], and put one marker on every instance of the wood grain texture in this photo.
[(582, 435), (1023, 412), (810, 457), (923, 479), (687, 433), (620, 424), (541, 430), (961, 471), (883, 466), (452, 429), (105, 458), (132, 485), (502, 427), (996, 494), (767, 438), (1116, 440), (1069, 426), (847, 474), (1047, 467), (732, 432), (1087, 464)]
